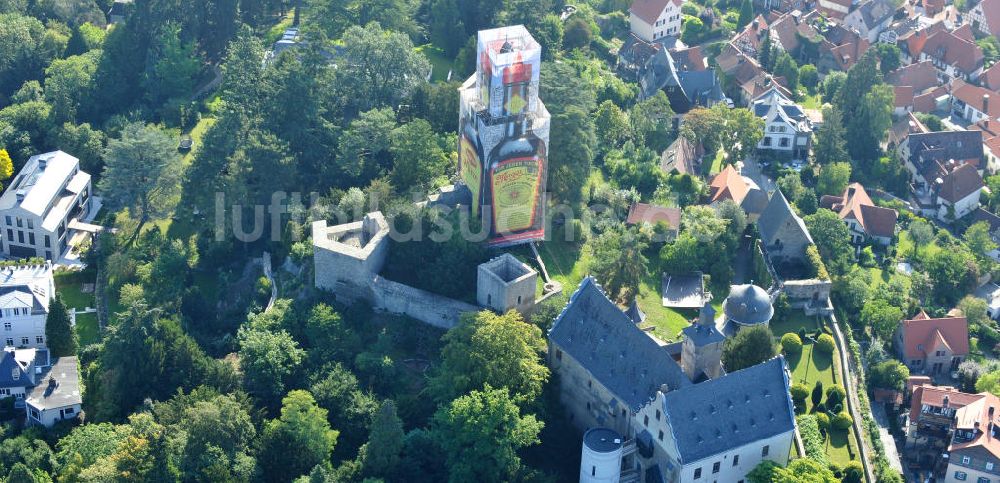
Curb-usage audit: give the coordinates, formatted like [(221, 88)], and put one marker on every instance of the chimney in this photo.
[(986, 104), (945, 402)]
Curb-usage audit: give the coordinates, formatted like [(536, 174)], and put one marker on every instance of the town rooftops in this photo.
[(46, 186), (681, 156), (607, 343), (27, 286), (731, 411), (58, 386), (991, 11), (649, 10), (874, 12), (728, 185), (975, 97), (653, 214), (990, 78), (919, 75), (921, 334), (939, 397), (12, 371), (950, 48), (943, 146), (777, 214), (960, 183), (856, 204), (976, 426)]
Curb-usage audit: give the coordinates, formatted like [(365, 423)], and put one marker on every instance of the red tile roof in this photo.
[(645, 213), (991, 77), (961, 182), (934, 396), (951, 48), (979, 417), (856, 204), (991, 10), (973, 96), (921, 76), (650, 10), (728, 185), (921, 334)]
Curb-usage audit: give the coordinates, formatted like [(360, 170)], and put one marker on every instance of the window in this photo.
[(764, 451), (697, 473), (69, 411), (9, 223), (736, 460), (960, 475), (590, 383), (20, 222), (48, 242), (657, 414), (39, 339), (915, 362), (31, 224), (645, 420), (34, 413), (939, 353), (558, 354), (10, 234), (715, 467), (7, 326), (660, 436), (4, 391), (593, 471), (989, 466), (767, 140), (983, 480), (10, 341), (15, 374), (783, 142), (20, 237), (966, 460), (31, 238), (24, 341)]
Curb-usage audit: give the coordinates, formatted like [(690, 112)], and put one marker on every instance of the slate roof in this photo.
[(874, 12), (755, 202), (927, 150), (777, 213), (8, 368), (619, 355), (920, 334), (730, 411), (681, 156), (701, 87), (27, 287), (650, 10), (748, 305)]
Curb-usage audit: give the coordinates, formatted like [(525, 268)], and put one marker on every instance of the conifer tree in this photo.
[(59, 334)]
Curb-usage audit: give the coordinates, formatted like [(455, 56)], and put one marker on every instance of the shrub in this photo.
[(825, 344), (823, 420), (812, 439), (853, 472), (835, 395), (842, 421), (802, 333), (817, 394), (816, 266), (791, 344), (799, 392)]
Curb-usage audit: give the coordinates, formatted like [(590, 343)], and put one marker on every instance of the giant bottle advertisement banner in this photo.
[(504, 136)]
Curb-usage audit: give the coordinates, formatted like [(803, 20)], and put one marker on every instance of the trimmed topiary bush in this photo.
[(799, 392), (854, 473), (825, 344), (842, 421), (791, 344), (817, 394), (835, 395), (823, 420)]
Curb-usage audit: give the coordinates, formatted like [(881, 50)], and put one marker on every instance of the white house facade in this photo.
[(25, 292), (655, 19), (36, 210), (786, 127), (56, 397)]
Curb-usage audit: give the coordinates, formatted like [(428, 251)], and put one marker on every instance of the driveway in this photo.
[(888, 442), (751, 169)]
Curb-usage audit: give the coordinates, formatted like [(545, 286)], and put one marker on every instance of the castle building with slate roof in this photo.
[(682, 417)]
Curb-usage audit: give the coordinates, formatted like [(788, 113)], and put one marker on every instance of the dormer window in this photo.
[(15, 374)]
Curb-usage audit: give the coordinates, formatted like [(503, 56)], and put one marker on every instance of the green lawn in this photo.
[(904, 248), (86, 329), (811, 102), (808, 368), (713, 168), (442, 64), (197, 133), (69, 286)]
